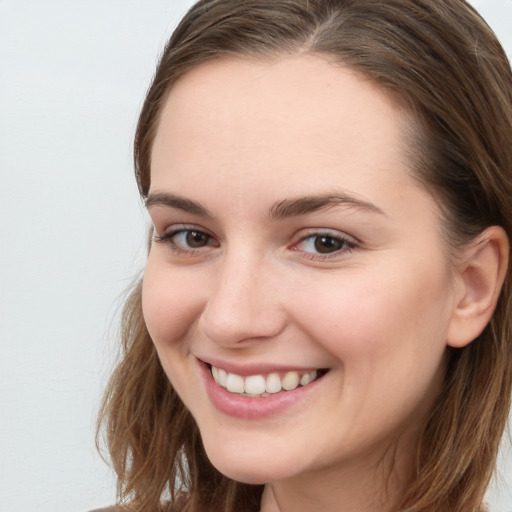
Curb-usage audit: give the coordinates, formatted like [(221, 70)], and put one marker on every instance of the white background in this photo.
[(72, 78)]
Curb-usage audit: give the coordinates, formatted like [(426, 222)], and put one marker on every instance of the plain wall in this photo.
[(72, 78)]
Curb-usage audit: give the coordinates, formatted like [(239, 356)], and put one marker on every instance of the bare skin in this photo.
[(244, 274)]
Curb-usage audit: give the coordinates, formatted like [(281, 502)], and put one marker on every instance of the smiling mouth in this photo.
[(264, 385)]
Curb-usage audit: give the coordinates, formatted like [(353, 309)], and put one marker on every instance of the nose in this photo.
[(244, 303)]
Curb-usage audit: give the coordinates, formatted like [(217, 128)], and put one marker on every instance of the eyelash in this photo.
[(168, 238), (346, 244)]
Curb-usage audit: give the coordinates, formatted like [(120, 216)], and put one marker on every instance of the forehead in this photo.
[(297, 119), (288, 89)]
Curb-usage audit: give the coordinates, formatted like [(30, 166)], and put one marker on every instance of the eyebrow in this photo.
[(180, 203), (280, 210), (310, 204)]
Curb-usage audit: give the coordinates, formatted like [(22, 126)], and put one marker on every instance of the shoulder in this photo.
[(178, 507), (107, 509)]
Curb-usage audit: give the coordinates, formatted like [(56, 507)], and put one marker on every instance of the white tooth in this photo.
[(222, 377), (305, 379), (215, 373), (290, 381), (235, 383), (313, 375), (273, 384), (255, 384)]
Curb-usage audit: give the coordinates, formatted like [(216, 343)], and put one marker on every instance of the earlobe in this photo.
[(479, 277)]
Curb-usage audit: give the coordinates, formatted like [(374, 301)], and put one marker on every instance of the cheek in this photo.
[(170, 304), (372, 319), (388, 341)]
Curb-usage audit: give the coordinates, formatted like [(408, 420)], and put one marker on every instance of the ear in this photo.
[(479, 279)]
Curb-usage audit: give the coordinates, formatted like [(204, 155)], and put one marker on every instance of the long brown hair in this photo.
[(442, 60)]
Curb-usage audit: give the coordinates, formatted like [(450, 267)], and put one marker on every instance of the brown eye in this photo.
[(195, 239), (187, 241), (325, 244)]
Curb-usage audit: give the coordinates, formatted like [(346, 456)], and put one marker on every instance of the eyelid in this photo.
[(172, 229), (166, 237), (349, 244)]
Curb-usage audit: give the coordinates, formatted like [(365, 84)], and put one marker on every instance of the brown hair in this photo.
[(445, 63)]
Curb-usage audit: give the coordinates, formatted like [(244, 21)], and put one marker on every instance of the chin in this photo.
[(249, 466), (245, 476)]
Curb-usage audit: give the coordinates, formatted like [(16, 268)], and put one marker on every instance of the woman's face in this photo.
[(291, 242)]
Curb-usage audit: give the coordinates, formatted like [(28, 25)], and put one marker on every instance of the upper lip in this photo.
[(254, 368)]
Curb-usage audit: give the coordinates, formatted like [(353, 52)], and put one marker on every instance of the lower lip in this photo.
[(250, 408)]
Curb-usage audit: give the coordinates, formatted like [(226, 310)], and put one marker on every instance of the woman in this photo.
[(324, 319)]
